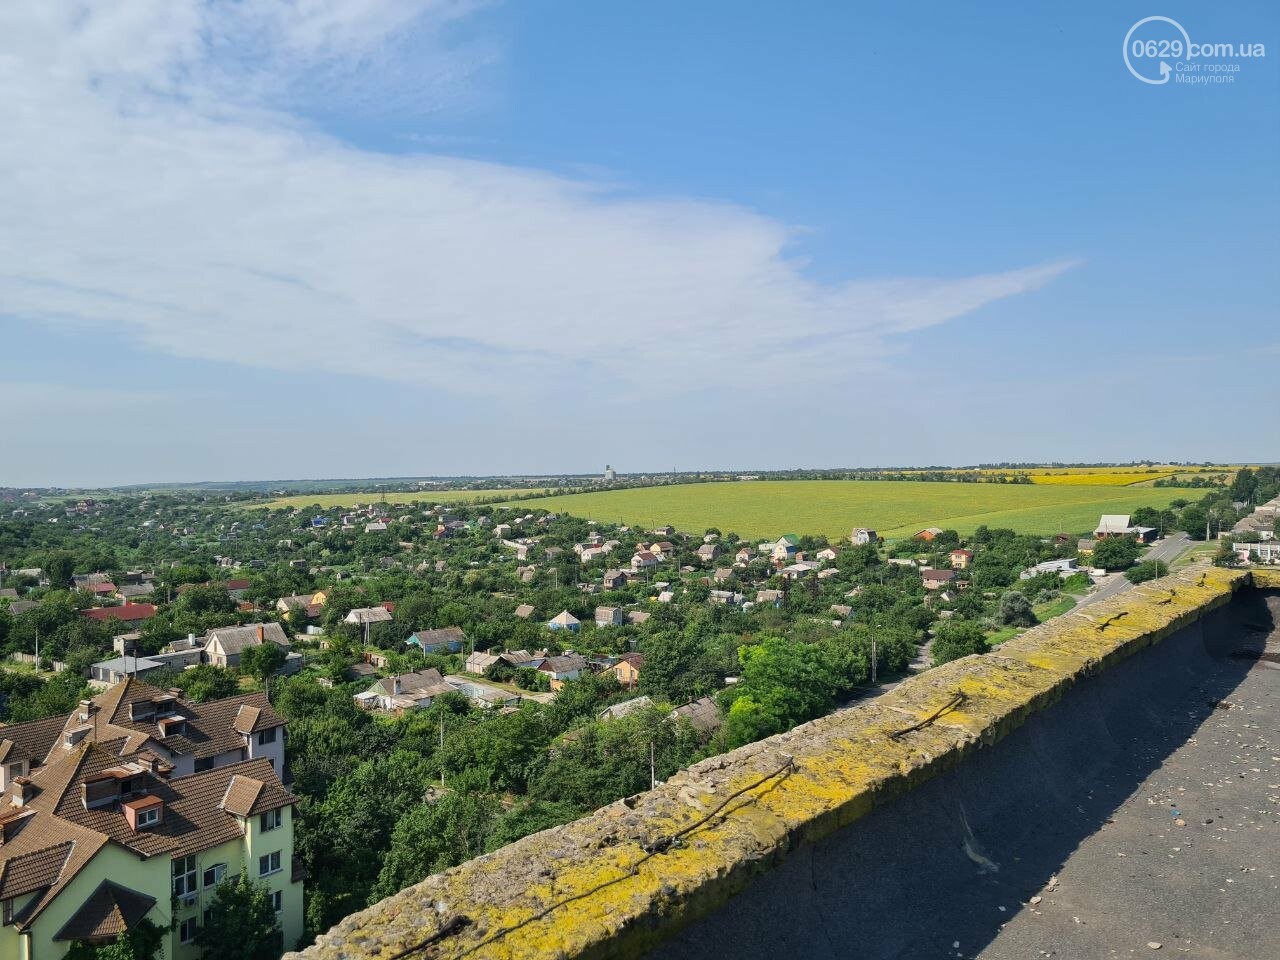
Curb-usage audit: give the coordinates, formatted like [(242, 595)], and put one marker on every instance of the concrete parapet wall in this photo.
[(620, 881)]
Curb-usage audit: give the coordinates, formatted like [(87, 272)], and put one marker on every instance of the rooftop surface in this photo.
[(1146, 813)]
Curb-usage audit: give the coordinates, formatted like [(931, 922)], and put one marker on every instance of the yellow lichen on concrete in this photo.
[(1268, 579), (615, 883)]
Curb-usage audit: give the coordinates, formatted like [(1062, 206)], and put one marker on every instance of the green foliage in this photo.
[(433, 836), (262, 660), (1148, 570), (1015, 610), (1116, 553), (240, 923), (958, 638), (144, 942)]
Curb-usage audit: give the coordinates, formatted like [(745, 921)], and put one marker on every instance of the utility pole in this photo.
[(653, 774), (441, 751), (37, 649), (873, 658)]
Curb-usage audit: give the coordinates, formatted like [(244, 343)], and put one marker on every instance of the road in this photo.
[(1168, 550)]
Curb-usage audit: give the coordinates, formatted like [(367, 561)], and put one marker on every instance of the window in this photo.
[(184, 876), (16, 770), (203, 764), (277, 901), (149, 817), (266, 736), (213, 875), (269, 863), (8, 911), (187, 930), (270, 820)]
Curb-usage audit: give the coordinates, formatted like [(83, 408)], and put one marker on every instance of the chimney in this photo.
[(21, 791), (262, 634), (395, 686), (86, 710)]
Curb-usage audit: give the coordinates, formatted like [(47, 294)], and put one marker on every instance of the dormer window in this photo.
[(172, 725), (143, 813)]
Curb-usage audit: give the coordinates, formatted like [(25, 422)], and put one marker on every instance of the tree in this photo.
[(1015, 610), (1116, 553), (434, 836), (958, 638), (143, 942), (59, 567), (241, 923), (1146, 571), (262, 660)]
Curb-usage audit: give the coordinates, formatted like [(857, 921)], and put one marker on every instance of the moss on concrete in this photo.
[(624, 878)]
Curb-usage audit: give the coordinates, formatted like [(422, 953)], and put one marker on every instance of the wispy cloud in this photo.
[(156, 178)]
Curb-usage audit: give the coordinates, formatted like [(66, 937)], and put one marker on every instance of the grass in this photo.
[(1055, 608), (770, 508), (1201, 551), (327, 500)]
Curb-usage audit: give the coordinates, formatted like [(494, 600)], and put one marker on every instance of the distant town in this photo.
[(223, 718)]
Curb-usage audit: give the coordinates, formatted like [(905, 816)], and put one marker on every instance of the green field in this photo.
[(769, 508), (326, 500)]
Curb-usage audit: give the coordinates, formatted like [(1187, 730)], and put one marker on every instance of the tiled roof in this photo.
[(234, 640), (209, 729), (128, 613), (194, 817), (29, 872), (242, 794), (30, 741), (110, 910)]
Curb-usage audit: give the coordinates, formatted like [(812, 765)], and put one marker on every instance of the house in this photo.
[(701, 714), (107, 673), (928, 534), (404, 692), (643, 560), (614, 580), (502, 531), (960, 559), (627, 669), (444, 640), (798, 571), (19, 607), (309, 603), (826, 555), (638, 617), (1063, 568), (786, 547), (726, 597), (479, 662), (862, 535), (774, 597), (482, 694), (223, 646), (722, 575), (375, 526), (1085, 547), (934, 579), (708, 552), (130, 613), (841, 610), (609, 617), (135, 591), (8, 593), (563, 668), (364, 616), (662, 549), (564, 620), (664, 532), (666, 596), (135, 807), (1112, 525), (524, 611), (743, 557), (614, 711)]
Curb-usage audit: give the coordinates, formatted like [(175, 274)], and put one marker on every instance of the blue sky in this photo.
[(406, 237)]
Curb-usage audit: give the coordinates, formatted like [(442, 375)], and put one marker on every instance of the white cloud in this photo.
[(153, 181)]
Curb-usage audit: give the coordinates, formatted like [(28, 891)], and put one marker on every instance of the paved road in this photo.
[(1168, 550)]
